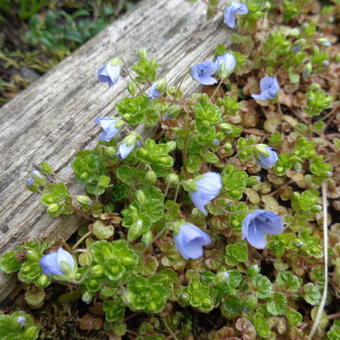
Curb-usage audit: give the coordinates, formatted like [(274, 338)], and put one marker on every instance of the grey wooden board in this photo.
[(53, 118)]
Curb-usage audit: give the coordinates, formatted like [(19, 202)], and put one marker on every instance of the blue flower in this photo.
[(36, 176), (324, 42), (225, 64), (21, 321), (190, 241), (153, 92), (208, 187), (127, 146), (269, 88), (267, 158), (230, 12), (296, 48), (124, 150), (203, 72), (60, 263), (110, 72), (258, 223), (30, 181), (110, 126)]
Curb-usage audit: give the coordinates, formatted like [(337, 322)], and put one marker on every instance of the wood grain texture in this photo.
[(53, 118)]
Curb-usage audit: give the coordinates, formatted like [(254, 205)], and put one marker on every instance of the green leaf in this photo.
[(198, 295), (102, 231), (312, 294), (231, 307), (9, 262), (156, 155), (317, 99), (277, 305), (263, 286), (57, 199), (294, 318), (88, 167), (262, 326), (146, 69), (117, 258), (236, 253), (10, 329), (289, 281), (147, 294), (234, 182), (114, 309), (334, 332), (130, 175), (139, 109)]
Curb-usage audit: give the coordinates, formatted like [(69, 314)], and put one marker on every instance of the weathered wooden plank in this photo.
[(53, 118)]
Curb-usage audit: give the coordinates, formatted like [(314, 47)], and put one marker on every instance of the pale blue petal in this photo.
[(208, 188), (269, 88), (125, 150), (269, 223), (242, 9), (229, 16), (269, 83), (269, 161), (262, 96), (207, 80), (228, 60), (230, 12), (64, 256), (113, 72), (256, 237), (153, 92), (202, 73), (190, 241), (49, 265), (109, 74), (37, 173), (21, 321), (102, 74), (258, 223), (109, 128), (30, 181)]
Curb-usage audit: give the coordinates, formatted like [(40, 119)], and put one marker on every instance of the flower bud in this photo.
[(253, 270), (161, 85), (135, 230), (151, 177), (171, 146), (38, 177), (132, 88), (147, 238), (54, 207), (43, 281), (83, 199), (172, 180), (140, 197), (86, 297), (142, 53), (115, 61), (307, 70)]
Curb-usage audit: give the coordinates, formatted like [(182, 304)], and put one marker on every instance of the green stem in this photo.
[(166, 190), (81, 239), (325, 251), (177, 190), (169, 329), (216, 89), (132, 79)]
